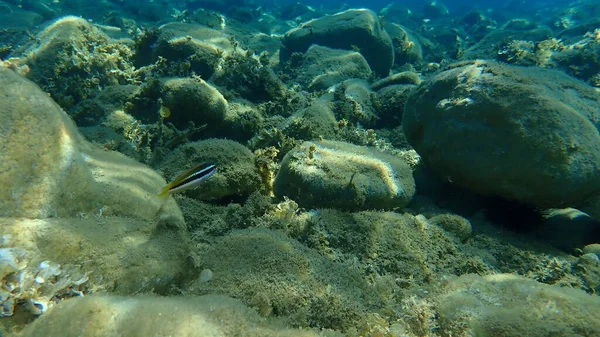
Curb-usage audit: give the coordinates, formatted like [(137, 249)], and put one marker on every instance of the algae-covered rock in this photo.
[(454, 224), (390, 104), (236, 172), (526, 134), (122, 255), (407, 45), (396, 244), (193, 100), (92, 211), (250, 77), (352, 29), (142, 316), (322, 67), (346, 176), (191, 48), (354, 101), (392, 93), (49, 170), (402, 78), (509, 305), (72, 60), (278, 276), (315, 121)]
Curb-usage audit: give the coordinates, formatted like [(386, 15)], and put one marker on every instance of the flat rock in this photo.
[(511, 305), (141, 316)]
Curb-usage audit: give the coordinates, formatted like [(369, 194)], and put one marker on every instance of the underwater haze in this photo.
[(299, 168)]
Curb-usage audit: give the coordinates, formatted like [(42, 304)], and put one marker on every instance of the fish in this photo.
[(189, 179)]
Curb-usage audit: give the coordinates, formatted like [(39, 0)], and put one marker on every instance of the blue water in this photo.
[(296, 223)]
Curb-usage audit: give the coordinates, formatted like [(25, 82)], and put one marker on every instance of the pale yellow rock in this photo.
[(143, 316), (123, 255), (65, 201), (511, 305), (49, 170)]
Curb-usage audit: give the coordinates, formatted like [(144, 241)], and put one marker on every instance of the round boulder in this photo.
[(354, 29), (236, 172), (193, 99), (344, 176), (527, 134)]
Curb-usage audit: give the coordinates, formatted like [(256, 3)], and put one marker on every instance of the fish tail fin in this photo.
[(164, 192)]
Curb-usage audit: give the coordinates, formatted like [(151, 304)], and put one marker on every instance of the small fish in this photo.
[(189, 179)]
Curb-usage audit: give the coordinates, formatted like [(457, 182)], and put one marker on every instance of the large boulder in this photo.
[(73, 216), (527, 134), (355, 29), (72, 59), (344, 176), (49, 170), (189, 48)]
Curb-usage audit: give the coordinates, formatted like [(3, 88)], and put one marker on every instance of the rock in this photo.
[(91, 112), (352, 29), (123, 255), (191, 48), (236, 172), (92, 214), (405, 77), (568, 229), (72, 60), (407, 45), (390, 104), (487, 47), (294, 10), (515, 306), (251, 78), (454, 224), (525, 134), (278, 276), (140, 316), (392, 93), (353, 101), (49, 170), (389, 242), (323, 67), (313, 122), (345, 176), (593, 248), (435, 9), (193, 100)]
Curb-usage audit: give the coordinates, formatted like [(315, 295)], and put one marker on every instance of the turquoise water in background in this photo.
[(382, 168)]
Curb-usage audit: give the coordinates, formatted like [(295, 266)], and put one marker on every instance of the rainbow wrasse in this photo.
[(189, 179)]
